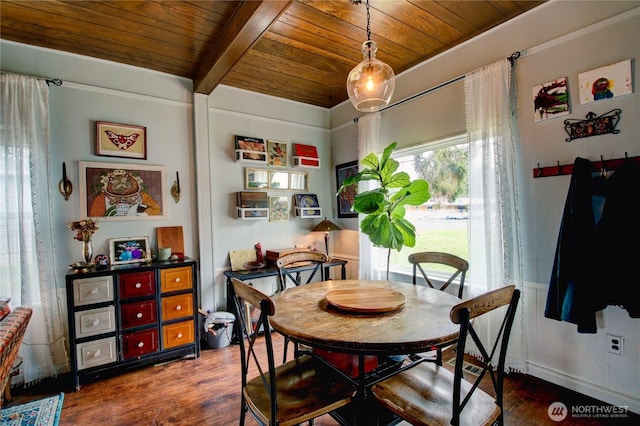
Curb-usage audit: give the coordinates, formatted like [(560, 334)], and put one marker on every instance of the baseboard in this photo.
[(586, 388)]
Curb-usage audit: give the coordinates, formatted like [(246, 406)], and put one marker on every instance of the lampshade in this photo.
[(371, 83), (326, 226)]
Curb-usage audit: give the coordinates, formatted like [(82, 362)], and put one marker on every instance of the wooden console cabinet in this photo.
[(131, 315)]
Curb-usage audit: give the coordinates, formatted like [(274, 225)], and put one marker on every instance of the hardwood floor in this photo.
[(205, 391)]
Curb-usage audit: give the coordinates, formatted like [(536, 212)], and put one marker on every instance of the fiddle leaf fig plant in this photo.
[(384, 206)]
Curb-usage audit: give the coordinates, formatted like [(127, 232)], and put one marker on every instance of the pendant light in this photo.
[(370, 84)]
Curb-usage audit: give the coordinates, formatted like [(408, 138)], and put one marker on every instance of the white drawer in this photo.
[(95, 321), (92, 290), (96, 352)]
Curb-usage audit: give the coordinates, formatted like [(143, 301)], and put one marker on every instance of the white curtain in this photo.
[(494, 228), (368, 141), (26, 234)]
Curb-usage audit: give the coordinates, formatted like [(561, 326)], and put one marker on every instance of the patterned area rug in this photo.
[(43, 412)]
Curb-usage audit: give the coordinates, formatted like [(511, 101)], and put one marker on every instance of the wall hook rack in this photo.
[(601, 166)]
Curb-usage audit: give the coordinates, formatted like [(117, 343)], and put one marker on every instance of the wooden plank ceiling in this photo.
[(299, 50)]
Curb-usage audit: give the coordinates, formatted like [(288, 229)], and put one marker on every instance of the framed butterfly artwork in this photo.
[(121, 140)]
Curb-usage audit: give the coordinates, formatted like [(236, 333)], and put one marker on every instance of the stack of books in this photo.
[(305, 156), (252, 205)]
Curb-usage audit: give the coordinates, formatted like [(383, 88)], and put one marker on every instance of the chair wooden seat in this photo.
[(429, 394), (305, 389), (291, 393), (424, 397)]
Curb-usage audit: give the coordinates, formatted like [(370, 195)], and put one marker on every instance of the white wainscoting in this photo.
[(581, 362)]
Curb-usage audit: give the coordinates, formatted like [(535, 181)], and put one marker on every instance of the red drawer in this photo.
[(139, 343), (137, 284), (138, 313)]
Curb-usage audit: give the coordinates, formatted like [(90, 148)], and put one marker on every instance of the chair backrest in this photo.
[(316, 258), (459, 264), (463, 313), (250, 355)]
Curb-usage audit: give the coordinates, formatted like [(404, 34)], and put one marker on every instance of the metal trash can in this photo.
[(218, 328)]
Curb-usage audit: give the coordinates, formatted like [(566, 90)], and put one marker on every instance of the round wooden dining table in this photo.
[(368, 319), (309, 315)]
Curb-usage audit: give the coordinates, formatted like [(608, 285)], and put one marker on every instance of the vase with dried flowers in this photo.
[(84, 232)]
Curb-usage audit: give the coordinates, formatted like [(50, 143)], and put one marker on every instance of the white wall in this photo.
[(556, 42), (231, 112), (100, 90)]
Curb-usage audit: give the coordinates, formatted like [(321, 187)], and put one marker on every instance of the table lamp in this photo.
[(326, 226)]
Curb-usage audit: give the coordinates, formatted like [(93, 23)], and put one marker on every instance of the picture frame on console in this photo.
[(127, 250)]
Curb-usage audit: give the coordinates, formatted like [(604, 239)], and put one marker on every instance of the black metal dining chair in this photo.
[(285, 275), (289, 394), (455, 268), (430, 394), (458, 265)]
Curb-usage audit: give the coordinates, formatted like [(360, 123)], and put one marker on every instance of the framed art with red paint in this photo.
[(551, 99), (121, 140)]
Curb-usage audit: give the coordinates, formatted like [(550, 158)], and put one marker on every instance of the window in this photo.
[(442, 222)]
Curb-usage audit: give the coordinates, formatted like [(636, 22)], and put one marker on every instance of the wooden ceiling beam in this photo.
[(247, 25)]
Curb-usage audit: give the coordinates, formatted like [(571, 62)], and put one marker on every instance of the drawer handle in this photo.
[(96, 354), (177, 279), (139, 315), (179, 336), (141, 344), (96, 322), (138, 285), (178, 308), (94, 290)]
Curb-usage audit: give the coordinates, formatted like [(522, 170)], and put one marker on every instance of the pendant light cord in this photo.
[(368, 23), (368, 28)]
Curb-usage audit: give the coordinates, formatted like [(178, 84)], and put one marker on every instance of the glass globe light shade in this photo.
[(370, 84)]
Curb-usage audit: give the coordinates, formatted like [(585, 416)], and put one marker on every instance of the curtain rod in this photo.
[(49, 81), (512, 59)]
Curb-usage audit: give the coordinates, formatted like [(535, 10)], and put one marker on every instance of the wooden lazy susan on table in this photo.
[(366, 300)]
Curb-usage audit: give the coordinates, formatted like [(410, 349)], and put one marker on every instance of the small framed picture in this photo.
[(606, 82), (129, 250), (121, 140), (276, 153), (345, 198), (278, 208), (551, 99)]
